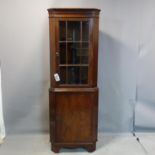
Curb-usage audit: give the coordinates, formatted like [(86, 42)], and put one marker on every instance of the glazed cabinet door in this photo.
[(73, 52)]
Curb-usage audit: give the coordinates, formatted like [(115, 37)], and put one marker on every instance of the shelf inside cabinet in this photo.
[(73, 65)]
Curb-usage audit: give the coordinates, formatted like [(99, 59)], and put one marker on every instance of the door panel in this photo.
[(74, 112)]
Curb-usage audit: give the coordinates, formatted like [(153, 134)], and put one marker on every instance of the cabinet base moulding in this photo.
[(90, 147)]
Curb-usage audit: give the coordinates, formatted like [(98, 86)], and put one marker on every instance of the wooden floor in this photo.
[(108, 144)]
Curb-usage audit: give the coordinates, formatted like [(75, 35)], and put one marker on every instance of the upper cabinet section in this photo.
[(74, 47)]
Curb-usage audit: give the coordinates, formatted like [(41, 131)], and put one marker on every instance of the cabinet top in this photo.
[(73, 12)]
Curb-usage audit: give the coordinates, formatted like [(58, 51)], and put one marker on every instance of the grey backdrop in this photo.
[(126, 57)]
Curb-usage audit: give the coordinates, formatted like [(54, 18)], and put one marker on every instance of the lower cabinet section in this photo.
[(73, 118)]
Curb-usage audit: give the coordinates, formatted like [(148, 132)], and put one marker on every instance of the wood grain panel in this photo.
[(74, 117)]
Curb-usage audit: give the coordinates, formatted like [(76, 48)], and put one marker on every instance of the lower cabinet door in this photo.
[(75, 117)]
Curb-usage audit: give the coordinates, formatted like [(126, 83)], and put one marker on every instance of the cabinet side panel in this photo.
[(95, 116), (52, 28), (52, 115), (94, 52)]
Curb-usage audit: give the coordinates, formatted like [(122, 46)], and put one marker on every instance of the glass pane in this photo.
[(85, 31), (84, 75), (62, 30), (73, 31), (73, 52), (62, 53), (62, 75), (84, 53), (73, 75)]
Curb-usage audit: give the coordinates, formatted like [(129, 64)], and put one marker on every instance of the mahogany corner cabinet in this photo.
[(73, 93)]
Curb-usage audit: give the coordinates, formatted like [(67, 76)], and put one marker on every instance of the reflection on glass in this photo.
[(84, 53), (73, 30), (84, 75), (73, 52), (73, 75), (62, 75), (62, 53), (85, 31), (62, 32)]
